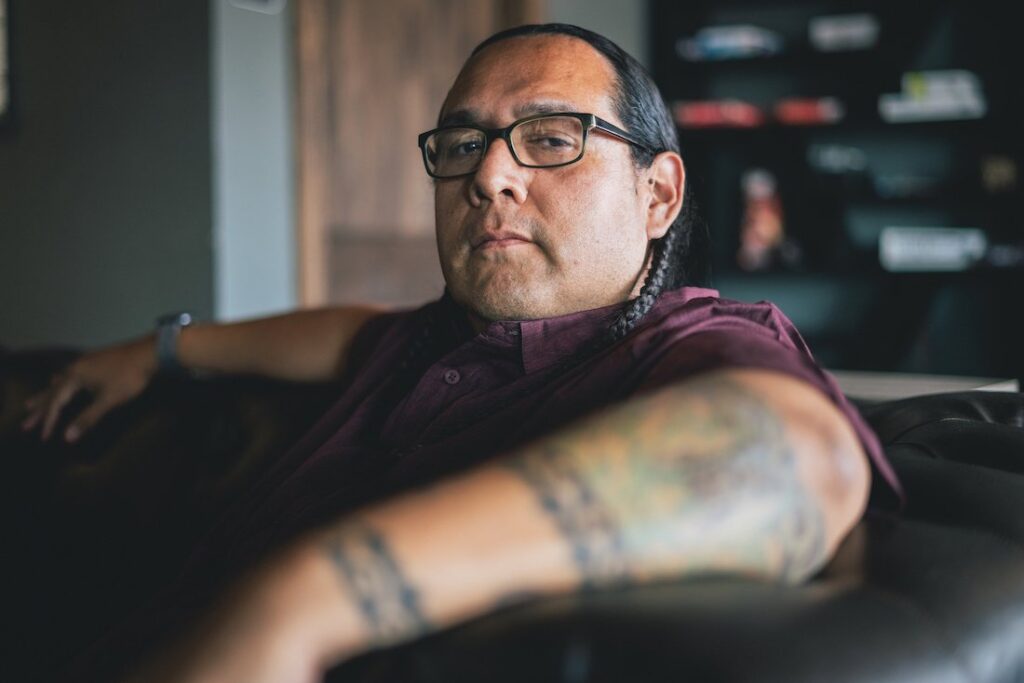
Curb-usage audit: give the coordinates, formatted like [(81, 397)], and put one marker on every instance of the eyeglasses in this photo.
[(540, 141)]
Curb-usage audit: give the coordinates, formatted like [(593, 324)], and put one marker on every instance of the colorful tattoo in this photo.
[(690, 479)]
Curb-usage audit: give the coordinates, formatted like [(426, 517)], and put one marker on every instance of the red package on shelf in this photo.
[(718, 114), (808, 111)]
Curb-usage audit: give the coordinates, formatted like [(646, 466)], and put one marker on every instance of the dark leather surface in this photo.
[(93, 530), (934, 593)]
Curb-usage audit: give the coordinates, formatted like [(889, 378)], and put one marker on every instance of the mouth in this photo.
[(488, 245), (498, 240)]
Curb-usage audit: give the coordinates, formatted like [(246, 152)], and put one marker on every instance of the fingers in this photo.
[(46, 406), (36, 408), (89, 417), (60, 398), (35, 412), (111, 376)]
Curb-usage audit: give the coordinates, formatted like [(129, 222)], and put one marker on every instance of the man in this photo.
[(566, 416)]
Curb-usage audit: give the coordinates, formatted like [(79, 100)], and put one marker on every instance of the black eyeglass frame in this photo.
[(589, 122)]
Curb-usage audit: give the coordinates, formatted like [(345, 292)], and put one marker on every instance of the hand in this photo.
[(113, 376)]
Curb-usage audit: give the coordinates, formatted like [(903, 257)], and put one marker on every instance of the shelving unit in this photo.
[(855, 314)]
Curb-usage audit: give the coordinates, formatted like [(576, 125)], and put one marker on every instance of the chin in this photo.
[(495, 301), (492, 293), (505, 308)]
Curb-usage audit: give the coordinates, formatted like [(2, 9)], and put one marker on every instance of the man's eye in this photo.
[(550, 142), (464, 148)]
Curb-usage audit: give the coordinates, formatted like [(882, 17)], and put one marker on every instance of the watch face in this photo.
[(182, 319)]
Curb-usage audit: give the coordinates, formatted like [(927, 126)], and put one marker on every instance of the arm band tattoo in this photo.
[(369, 571), (597, 546)]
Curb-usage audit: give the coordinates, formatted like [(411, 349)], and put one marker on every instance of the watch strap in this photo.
[(168, 329)]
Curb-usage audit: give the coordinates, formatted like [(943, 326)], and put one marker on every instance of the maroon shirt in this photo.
[(488, 393)]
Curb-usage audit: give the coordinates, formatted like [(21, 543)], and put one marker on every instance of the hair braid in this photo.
[(654, 284), (667, 272)]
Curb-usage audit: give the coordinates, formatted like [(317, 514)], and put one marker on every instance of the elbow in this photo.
[(836, 478), (848, 486)]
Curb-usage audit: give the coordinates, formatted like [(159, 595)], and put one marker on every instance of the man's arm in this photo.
[(741, 471), (309, 345), (302, 346)]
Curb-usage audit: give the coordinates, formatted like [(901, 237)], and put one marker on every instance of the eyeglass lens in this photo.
[(547, 141)]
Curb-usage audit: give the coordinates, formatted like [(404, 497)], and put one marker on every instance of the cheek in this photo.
[(447, 219), (601, 227)]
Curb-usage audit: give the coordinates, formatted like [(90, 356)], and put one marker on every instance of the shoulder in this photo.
[(693, 328), (691, 333), (692, 310)]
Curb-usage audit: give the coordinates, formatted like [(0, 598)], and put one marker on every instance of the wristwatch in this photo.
[(168, 328)]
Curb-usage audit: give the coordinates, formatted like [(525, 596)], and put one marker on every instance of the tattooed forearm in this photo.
[(589, 524), (389, 606), (695, 478)]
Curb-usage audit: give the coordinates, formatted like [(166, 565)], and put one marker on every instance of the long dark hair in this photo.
[(678, 258)]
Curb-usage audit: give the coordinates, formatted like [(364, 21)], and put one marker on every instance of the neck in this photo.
[(479, 324), (476, 322)]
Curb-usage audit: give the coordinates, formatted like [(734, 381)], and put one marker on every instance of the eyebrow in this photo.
[(458, 117)]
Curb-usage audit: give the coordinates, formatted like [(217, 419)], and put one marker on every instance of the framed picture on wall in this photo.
[(5, 61)]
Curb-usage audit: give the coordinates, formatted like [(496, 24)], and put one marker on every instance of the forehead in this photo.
[(528, 74)]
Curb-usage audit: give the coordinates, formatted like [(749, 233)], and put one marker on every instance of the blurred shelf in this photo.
[(847, 125), (798, 56), (858, 314), (888, 386)]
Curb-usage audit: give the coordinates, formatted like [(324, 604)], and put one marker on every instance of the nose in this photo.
[(499, 176)]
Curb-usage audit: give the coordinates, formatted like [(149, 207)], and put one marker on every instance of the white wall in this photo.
[(253, 168)]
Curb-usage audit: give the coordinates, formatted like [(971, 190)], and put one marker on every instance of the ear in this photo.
[(665, 179)]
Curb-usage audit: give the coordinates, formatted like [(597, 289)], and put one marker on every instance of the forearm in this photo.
[(697, 478), (307, 345)]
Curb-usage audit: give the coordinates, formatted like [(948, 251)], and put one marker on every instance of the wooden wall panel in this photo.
[(371, 76)]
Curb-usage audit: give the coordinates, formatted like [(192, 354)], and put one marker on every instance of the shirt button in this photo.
[(452, 376)]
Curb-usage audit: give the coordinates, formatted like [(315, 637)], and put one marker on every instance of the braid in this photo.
[(668, 271), (655, 283)]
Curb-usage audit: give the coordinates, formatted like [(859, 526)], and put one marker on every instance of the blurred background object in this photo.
[(857, 161), (887, 154), (763, 241)]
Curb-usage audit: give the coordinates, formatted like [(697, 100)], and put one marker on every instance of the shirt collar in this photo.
[(547, 341)]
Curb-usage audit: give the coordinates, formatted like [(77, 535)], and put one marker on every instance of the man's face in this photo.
[(519, 243)]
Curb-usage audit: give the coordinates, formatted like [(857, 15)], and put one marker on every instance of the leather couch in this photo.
[(933, 592)]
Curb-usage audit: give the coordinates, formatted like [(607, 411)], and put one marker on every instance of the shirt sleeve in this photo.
[(759, 336)]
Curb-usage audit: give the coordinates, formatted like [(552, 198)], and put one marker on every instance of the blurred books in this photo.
[(843, 32), (946, 95), (728, 42)]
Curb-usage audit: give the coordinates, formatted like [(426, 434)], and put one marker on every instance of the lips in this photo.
[(494, 239)]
